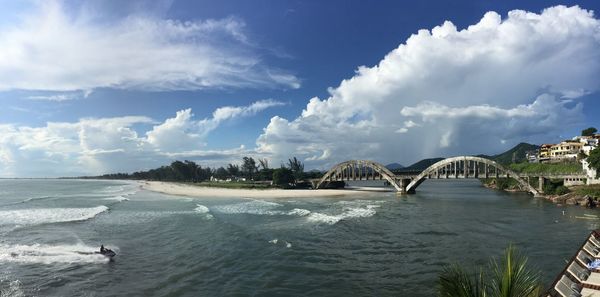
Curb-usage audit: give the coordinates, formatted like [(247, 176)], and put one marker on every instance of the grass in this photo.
[(591, 190), (546, 168)]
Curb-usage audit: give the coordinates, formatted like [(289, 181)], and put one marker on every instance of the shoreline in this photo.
[(173, 188), (570, 198)]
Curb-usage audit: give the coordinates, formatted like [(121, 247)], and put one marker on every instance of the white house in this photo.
[(591, 173)]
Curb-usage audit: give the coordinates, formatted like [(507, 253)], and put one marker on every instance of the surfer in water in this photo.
[(102, 249)]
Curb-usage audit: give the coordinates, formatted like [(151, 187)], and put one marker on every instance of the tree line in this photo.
[(288, 174)]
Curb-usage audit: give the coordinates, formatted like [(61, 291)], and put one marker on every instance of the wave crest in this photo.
[(36, 216)]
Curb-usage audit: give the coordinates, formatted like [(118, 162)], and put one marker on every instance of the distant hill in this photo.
[(423, 164), (518, 152), (394, 166)]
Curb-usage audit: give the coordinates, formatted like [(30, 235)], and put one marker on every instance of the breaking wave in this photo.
[(117, 198), (36, 216), (49, 254), (256, 207), (203, 210), (348, 213)]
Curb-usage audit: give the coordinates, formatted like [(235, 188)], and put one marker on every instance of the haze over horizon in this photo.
[(93, 87)]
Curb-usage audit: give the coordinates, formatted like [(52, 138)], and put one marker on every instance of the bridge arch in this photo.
[(453, 166), (357, 169)]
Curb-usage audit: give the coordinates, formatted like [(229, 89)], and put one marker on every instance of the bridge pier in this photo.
[(541, 184), (403, 184)]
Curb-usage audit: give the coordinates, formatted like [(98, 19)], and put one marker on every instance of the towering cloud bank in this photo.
[(447, 91)]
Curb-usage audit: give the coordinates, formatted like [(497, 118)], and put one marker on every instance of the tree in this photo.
[(594, 160), (221, 173), (511, 277), (248, 167), (283, 177), (296, 167), (589, 131), (264, 163), (233, 170)]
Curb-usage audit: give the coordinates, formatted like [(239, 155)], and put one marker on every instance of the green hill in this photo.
[(423, 164), (514, 155)]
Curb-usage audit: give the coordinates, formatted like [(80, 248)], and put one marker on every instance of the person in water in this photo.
[(102, 249)]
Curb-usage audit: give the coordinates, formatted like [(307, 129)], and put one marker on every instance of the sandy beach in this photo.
[(197, 191)]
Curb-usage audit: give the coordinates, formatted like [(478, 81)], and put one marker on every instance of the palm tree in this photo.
[(509, 277)]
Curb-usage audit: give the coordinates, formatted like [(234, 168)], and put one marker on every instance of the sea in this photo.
[(372, 244)]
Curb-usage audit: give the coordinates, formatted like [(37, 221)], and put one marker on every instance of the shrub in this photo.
[(283, 177), (561, 190)]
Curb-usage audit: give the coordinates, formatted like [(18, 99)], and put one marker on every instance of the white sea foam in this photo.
[(35, 216), (274, 241), (298, 212), (121, 190), (49, 254), (348, 213), (257, 207), (288, 245), (13, 289), (203, 210), (117, 198)]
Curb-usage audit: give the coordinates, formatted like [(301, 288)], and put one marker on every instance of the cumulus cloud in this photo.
[(184, 133), (447, 91), (51, 50), (102, 145)]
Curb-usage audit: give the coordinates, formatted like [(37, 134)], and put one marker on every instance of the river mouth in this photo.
[(376, 244)]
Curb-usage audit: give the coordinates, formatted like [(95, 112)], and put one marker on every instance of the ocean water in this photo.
[(376, 244)]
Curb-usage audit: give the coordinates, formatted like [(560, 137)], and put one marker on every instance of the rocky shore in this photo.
[(571, 198)]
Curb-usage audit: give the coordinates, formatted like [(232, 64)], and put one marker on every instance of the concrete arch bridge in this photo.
[(450, 168)]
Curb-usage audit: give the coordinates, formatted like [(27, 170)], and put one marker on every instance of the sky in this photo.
[(94, 87)]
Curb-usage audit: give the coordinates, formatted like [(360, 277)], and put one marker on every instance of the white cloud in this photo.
[(57, 98), (51, 50), (449, 91), (182, 133), (103, 145)]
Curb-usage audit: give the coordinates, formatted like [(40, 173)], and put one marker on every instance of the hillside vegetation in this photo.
[(546, 168), (516, 154)]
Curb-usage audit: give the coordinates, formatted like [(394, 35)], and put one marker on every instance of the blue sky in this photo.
[(88, 87)]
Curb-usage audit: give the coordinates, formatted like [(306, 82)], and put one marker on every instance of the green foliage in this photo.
[(594, 160), (249, 167), (456, 282), (233, 170), (515, 154), (283, 177), (296, 167), (264, 163), (589, 131), (546, 168), (555, 187), (561, 190), (221, 173), (509, 277), (502, 183), (265, 174), (590, 190)]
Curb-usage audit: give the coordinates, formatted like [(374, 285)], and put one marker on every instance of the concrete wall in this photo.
[(591, 173)]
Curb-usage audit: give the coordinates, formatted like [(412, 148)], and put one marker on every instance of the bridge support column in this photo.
[(455, 169), (403, 184), (476, 171), (541, 184)]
